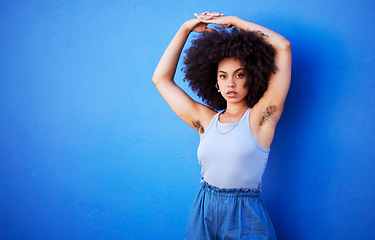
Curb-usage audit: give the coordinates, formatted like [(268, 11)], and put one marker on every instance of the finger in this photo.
[(208, 14), (215, 14), (204, 18), (197, 16)]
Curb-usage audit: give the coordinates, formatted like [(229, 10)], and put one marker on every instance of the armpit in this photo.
[(270, 110), (197, 125)]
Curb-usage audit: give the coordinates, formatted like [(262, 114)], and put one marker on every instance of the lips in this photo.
[(231, 94)]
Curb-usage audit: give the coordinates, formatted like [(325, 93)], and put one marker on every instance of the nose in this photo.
[(230, 82)]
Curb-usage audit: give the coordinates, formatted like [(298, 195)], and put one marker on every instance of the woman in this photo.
[(247, 74)]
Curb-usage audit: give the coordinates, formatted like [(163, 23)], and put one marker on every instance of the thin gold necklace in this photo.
[(217, 127)]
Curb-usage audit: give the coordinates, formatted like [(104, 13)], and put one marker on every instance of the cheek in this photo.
[(220, 82), (246, 91), (245, 84), (246, 87)]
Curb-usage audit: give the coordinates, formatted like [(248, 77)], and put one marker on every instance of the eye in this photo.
[(222, 76), (240, 75)]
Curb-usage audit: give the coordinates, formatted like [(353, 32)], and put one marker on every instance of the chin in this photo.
[(231, 100)]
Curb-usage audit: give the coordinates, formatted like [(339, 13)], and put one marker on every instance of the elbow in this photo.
[(285, 45), (158, 79), (155, 80)]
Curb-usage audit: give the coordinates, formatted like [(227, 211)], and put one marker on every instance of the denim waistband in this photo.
[(230, 192)]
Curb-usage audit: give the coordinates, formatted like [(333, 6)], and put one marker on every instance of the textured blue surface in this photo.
[(89, 150)]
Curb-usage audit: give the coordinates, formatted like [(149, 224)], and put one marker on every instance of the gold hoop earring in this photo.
[(217, 87)]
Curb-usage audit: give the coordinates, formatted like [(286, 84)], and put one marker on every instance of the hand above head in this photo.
[(208, 15), (197, 25), (215, 18)]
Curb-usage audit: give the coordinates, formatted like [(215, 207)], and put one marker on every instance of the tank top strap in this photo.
[(247, 114)]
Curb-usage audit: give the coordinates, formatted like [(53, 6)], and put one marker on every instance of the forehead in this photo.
[(229, 64)]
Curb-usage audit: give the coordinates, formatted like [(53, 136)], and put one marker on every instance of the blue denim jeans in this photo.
[(228, 214)]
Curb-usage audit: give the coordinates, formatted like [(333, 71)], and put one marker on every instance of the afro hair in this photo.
[(209, 48)]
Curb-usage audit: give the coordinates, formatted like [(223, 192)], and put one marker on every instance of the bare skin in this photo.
[(266, 112)]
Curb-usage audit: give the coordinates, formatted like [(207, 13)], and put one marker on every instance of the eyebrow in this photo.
[(234, 71)]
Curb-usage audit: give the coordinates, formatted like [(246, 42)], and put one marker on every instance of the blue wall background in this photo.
[(89, 150)]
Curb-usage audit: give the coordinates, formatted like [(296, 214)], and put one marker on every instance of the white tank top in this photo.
[(232, 160)]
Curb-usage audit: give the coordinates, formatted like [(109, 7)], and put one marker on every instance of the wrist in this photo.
[(235, 21), (185, 28)]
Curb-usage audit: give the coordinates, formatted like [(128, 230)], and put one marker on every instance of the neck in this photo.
[(235, 107)]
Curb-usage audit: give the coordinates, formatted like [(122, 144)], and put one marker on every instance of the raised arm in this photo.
[(193, 113), (279, 82), (266, 113)]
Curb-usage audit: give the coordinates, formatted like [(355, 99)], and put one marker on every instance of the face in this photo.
[(231, 79)]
